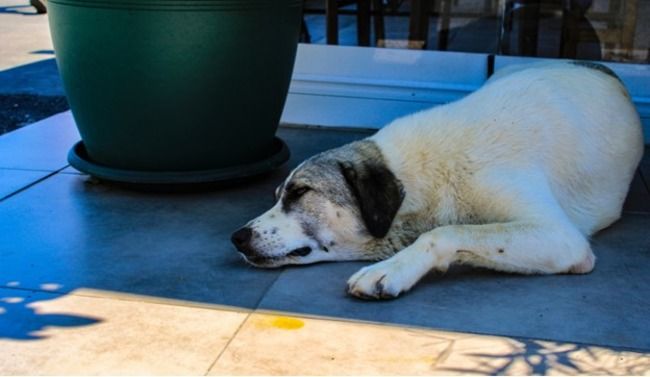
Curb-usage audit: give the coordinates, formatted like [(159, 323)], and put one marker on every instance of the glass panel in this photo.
[(610, 30)]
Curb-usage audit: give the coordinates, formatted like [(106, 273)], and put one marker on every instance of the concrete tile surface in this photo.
[(644, 167), (277, 344), (46, 334), (638, 198), (75, 233), (25, 34), (287, 345), (39, 78), (43, 145), (79, 234), (71, 170), (608, 307), (13, 180), (81, 260)]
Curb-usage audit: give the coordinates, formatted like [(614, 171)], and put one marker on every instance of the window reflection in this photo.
[(611, 30)]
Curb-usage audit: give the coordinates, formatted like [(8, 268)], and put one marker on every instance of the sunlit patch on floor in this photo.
[(12, 300), (51, 286)]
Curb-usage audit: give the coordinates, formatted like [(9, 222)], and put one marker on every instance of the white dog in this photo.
[(513, 177)]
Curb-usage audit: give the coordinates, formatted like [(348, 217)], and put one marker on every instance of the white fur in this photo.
[(538, 159)]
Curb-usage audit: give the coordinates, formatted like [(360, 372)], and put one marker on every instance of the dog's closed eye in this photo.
[(299, 191), (293, 193)]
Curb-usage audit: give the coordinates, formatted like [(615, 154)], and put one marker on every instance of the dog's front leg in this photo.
[(522, 247), (397, 274)]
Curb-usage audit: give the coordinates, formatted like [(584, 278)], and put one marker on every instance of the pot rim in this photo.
[(224, 5)]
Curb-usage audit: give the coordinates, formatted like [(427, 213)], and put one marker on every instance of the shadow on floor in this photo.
[(19, 110), (42, 52), (20, 319), (29, 93), (38, 78), (543, 358), (25, 10)]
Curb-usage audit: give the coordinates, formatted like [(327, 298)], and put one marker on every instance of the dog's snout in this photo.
[(242, 239)]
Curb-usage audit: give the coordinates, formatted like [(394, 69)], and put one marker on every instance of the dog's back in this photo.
[(574, 122)]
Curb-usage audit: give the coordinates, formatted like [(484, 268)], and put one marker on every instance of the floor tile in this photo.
[(43, 145), (72, 232), (608, 307), (274, 344), (488, 355), (71, 170), (14, 180), (644, 167), (638, 198), (39, 78), (25, 35), (305, 142), (281, 345), (45, 334), (77, 234)]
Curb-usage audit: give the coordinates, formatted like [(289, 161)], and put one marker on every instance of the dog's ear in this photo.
[(378, 192)]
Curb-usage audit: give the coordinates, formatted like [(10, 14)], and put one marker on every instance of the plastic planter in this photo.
[(176, 91)]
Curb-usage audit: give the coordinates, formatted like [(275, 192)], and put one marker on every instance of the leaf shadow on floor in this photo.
[(536, 357), (20, 318)]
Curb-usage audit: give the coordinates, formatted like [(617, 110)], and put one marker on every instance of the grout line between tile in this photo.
[(61, 294), (29, 290), (9, 288), (253, 311), (27, 187), (225, 347), (88, 293), (24, 169)]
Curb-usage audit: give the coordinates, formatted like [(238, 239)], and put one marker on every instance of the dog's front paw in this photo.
[(383, 280)]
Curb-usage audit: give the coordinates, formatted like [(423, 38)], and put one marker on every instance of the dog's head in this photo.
[(329, 208)]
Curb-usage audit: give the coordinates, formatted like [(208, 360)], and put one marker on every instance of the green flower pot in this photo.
[(174, 91)]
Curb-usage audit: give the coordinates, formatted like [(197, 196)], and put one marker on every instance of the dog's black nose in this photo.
[(242, 239)]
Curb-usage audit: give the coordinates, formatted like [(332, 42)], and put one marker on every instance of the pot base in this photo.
[(79, 159)]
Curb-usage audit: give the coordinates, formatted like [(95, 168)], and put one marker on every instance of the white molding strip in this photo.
[(363, 87), (368, 87)]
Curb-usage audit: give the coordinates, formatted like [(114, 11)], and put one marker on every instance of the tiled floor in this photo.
[(97, 279)]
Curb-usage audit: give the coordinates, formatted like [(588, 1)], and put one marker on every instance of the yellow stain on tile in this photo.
[(288, 323), (279, 322)]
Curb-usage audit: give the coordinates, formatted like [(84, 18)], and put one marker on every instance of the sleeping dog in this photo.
[(513, 177)]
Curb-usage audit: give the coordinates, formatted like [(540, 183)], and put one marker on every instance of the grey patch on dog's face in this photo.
[(317, 216)]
